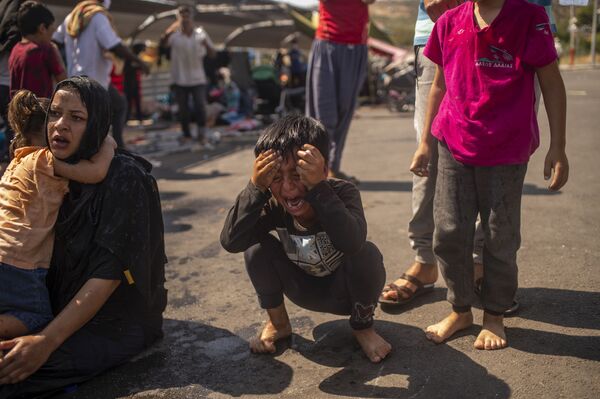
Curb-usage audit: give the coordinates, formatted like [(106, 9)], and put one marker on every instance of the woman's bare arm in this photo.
[(27, 354)]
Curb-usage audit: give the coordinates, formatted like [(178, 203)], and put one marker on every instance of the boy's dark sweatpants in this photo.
[(461, 192), (352, 289)]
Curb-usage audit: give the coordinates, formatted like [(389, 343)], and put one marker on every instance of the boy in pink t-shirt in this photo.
[(481, 115)]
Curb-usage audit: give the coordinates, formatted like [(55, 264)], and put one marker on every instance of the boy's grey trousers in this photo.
[(461, 193)]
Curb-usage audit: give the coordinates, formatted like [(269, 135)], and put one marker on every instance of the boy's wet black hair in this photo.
[(291, 132), (30, 15)]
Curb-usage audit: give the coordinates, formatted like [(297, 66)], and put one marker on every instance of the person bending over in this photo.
[(321, 261)]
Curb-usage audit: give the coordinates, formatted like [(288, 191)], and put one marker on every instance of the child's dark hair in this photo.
[(31, 14), (27, 117), (291, 132)]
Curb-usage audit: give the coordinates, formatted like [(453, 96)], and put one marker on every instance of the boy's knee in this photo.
[(446, 236), (370, 253), (368, 261), (260, 252)]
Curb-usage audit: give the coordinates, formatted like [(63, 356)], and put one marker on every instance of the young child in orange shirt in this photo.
[(31, 193)]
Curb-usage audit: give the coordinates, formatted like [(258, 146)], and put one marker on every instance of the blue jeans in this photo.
[(23, 294)]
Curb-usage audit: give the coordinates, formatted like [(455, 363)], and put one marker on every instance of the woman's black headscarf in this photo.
[(121, 215), (96, 100)]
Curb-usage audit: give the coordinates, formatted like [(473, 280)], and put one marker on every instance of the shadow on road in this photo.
[(555, 344), (177, 217), (451, 375), (406, 186), (438, 295), (532, 189), (376, 185), (171, 174), (566, 308), (198, 359), (171, 219)]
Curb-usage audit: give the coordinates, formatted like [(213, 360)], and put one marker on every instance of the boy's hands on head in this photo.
[(311, 166), (420, 161), (265, 167), (556, 161)]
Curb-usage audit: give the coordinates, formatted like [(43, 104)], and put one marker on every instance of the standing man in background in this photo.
[(336, 71), (189, 44), (87, 33), (423, 273)]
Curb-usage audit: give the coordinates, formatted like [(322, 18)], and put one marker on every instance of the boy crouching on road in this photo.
[(321, 260)]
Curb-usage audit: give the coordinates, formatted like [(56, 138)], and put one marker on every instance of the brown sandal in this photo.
[(421, 289)]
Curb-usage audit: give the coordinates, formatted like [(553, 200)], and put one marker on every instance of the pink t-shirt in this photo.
[(487, 116)]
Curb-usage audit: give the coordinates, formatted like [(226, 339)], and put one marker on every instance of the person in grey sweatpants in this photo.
[(336, 74), (461, 193)]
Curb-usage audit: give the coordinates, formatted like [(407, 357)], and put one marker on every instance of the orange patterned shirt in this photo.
[(30, 197)]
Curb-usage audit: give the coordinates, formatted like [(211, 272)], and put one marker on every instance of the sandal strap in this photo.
[(399, 289), (412, 279)]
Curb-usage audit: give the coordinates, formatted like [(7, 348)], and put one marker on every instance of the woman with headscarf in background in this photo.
[(106, 279)]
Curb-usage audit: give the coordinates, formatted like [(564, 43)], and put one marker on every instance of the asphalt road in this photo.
[(554, 340)]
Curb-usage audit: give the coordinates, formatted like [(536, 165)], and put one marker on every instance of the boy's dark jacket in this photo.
[(337, 205)]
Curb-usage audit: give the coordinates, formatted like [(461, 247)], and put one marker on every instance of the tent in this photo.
[(234, 23)]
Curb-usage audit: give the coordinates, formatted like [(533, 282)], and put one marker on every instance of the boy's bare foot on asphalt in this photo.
[(278, 327), (265, 342), (373, 345), (446, 328), (424, 272), (492, 335)]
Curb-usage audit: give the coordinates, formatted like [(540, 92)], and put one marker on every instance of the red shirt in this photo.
[(343, 21), (32, 67), (487, 116)]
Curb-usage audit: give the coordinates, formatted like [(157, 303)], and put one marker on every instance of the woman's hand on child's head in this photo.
[(420, 161), (265, 168), (311, 166), (556, 165)]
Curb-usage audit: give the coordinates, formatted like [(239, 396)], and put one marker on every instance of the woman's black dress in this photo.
[(112, 230)]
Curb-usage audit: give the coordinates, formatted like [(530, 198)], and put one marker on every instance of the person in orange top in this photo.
[(31, 193)]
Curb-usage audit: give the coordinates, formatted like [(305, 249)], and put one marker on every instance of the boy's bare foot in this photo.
[(265, 342), (277, 327), (373, 345), (492, 335), (446, 328), (424, 272)]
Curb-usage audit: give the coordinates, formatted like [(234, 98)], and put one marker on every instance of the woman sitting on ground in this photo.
[(106, 279)]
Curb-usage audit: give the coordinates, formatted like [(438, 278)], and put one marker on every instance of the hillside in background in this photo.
[(398, 18)]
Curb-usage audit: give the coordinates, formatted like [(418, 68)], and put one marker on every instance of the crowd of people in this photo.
[(80, 216)]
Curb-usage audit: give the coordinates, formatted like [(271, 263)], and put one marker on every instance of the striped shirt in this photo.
[(424, 24)]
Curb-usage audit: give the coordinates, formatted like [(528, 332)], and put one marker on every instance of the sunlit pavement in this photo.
[(554, 340)]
